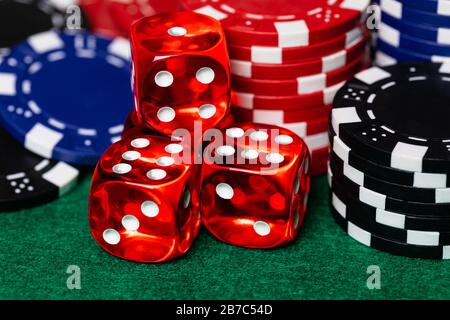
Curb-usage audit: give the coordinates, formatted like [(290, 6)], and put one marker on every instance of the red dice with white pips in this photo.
[(144, 201), (255, 185), (181, 71)]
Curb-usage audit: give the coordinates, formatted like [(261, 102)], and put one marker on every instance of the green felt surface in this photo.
[(37, 246)]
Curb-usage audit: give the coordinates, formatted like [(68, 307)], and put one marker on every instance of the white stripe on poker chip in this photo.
[(359, 234), (415, 237), (442, 195), (8, 84), (341, 149), (391, 7), (317, 141), (383, 60), (420, 179), (372, 198), (443, 36), (334, 61), (246, 100), (292, 33), (274, 55), (299, 128), (42, 140), (430, 180), (342, 116), (330, 92), (391, 219), (45, 41), (389, 34), (212, 12), (63, 176), (241, 68), (422, 238), (443, 8), (408, 157), (120, 47), (313, 83), (372, 75), (384, 217), (340, 206)]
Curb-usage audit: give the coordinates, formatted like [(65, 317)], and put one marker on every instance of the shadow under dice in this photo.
[(255, 185), (181, 72), (144, 201)]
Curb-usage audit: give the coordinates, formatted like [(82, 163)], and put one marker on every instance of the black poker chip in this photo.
[(360, 211), (386, 202), (397, 116), (393, 175), (382, 227), (27, 180), (427, 195), (386, 244), (20, 19)]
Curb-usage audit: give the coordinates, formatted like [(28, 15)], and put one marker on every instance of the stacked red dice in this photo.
[(182, 159)]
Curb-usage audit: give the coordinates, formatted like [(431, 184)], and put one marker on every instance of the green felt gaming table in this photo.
[(37, 246)]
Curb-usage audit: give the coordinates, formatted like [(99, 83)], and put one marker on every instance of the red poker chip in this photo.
[(282, 23), (277, 117), (276, 55), (99, 18), (125, 12), (323, 64), (252, 101), (300, 85), (303, 128), (319, 161)]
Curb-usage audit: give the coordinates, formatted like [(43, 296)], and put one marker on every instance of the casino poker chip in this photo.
[(22, 18), (289, 58), (355, 210), (397, 116), (404, 11), (397, 39), (439, 7), (375, 241), (65, 96), (411, 31), (428, 195), (281, 23), (299, 85), (277, 55), (316, 99), (27, 180), (413, 237), (393, 175), (389, 159)]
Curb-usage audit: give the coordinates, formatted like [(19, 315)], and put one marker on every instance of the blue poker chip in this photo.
[(65, 95), (440, 7), (399, 39), (403, 12), (388, 55), (426, 32)]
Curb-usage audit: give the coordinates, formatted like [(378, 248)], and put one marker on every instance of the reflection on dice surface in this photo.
[(181, 71), (255, 185), (144, 202)]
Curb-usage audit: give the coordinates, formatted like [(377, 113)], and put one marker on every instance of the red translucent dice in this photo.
[(181, 71), (255, 185), (144, 202)]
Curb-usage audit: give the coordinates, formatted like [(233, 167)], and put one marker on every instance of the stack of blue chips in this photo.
[(413, 30)]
